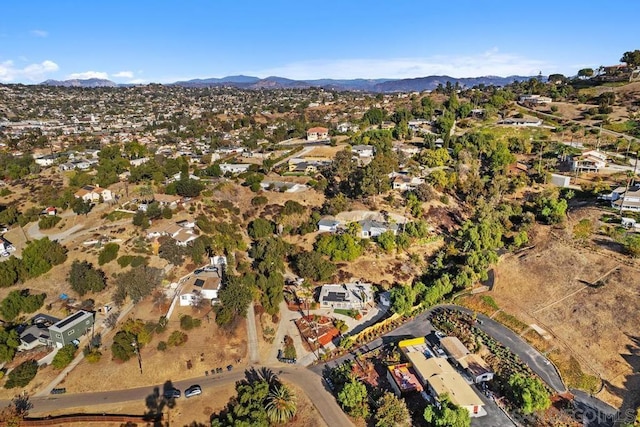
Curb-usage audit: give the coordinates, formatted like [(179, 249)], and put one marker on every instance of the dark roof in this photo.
[(199, 283), (70, 319), (28, 339), (336, 296), (88, 187)]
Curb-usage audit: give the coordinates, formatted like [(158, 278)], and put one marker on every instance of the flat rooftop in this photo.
[(405, 379)]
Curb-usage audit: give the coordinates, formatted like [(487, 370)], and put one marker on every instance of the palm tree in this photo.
[(281, 404)]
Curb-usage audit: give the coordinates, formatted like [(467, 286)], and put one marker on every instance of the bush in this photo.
[(259, 201), (48, 221), (187, 323), (177, 338), (93, 356), (108, 253), (22, 374), (64, 356), (162, 346)]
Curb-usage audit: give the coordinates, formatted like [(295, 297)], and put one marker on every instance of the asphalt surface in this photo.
[(302, 377)]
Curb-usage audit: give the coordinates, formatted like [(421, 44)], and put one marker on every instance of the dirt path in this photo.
[(252, 336)]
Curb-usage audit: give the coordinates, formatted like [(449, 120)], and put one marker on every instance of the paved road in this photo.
[(303, 378), (252, 336)]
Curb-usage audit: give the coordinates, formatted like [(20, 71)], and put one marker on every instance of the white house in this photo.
[(560, 180), (47, 160), (328, 225), (94, 194), (138, 162), (347, 127), (363, 150), (514, 121), (589, 161), (409, 150), (535, 99), (6, 246), (404, 182), (628, 199), (346, 296), (372, 228), (206, 284), (183, 232), (317, 134), (234, 168)]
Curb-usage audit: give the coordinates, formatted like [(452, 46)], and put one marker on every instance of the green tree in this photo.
[(48, 221), (312, 265), (80, 206), (235, 298), (631, 58), (22, 374), (632, 245), (353, 399), (188, 187), (123, 348), (387, 241), (20, 302), (280, 404), (108, 253), (374, 116), (339, 247), (585, 73), (136, 283), (448, 415), (9, 343), (528, 393), (40, 255), (83, 278), (170, 251), (64, 356), (260, 228), (392, 412)]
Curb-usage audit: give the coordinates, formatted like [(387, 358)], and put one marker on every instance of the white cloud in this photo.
[(89, 75), (137, 81), (124, 74), (491, 62), (39, 33), (32, 72)]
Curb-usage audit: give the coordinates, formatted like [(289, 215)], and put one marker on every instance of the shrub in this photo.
[(22, 374), (93, 356), (187, 323), (259, 201), (64, 356), (177, 338), (48, 221), (108, 253), (162, 346)]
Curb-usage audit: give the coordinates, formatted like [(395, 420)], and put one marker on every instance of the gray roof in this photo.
[(328, 222)]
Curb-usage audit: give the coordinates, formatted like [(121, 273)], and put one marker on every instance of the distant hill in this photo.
[(80, 83), (368, 85)]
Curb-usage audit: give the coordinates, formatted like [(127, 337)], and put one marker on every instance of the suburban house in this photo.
[(372, 228), (328, 225), (306, 166), (346, 296), (535, 99), (438, 378), (206, 284), (514, 121), (283, 187), (183, 232), (347, 127), (92, 194), (589, 161), (46, 160), (167, 200), (403, 182), (562, 181), (234, 168), (36, 333), (71, 328), (409, 150), (472, 364), (363, 150), (317, 134), (629, 199)]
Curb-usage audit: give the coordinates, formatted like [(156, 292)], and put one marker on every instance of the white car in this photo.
[(194, 390), (4, 253)]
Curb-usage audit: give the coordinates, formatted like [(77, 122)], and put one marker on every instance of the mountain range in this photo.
[(366, 85)]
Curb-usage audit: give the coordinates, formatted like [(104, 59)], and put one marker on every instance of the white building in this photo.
[(405, 182), (94, 194), (206, 284), (535, 99), (628, 199), (234, 168), (328, 225), (318, 134), (364, 150), (346, 296), (589, 161)]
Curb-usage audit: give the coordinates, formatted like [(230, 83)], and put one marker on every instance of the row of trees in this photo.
[(38, 257)]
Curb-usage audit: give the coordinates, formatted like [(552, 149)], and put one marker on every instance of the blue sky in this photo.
[(164, 41)]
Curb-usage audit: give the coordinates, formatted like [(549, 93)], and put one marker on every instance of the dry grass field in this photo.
[(587, 296)]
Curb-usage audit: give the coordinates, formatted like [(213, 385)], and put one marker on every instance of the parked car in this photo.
[(198, 271), (58, 391), (194, 390), (172, 393), (229, 367), (440, 334), (210, 268)]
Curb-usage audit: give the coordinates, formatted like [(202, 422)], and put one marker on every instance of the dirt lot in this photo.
[(207, 348), (553, 285)]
